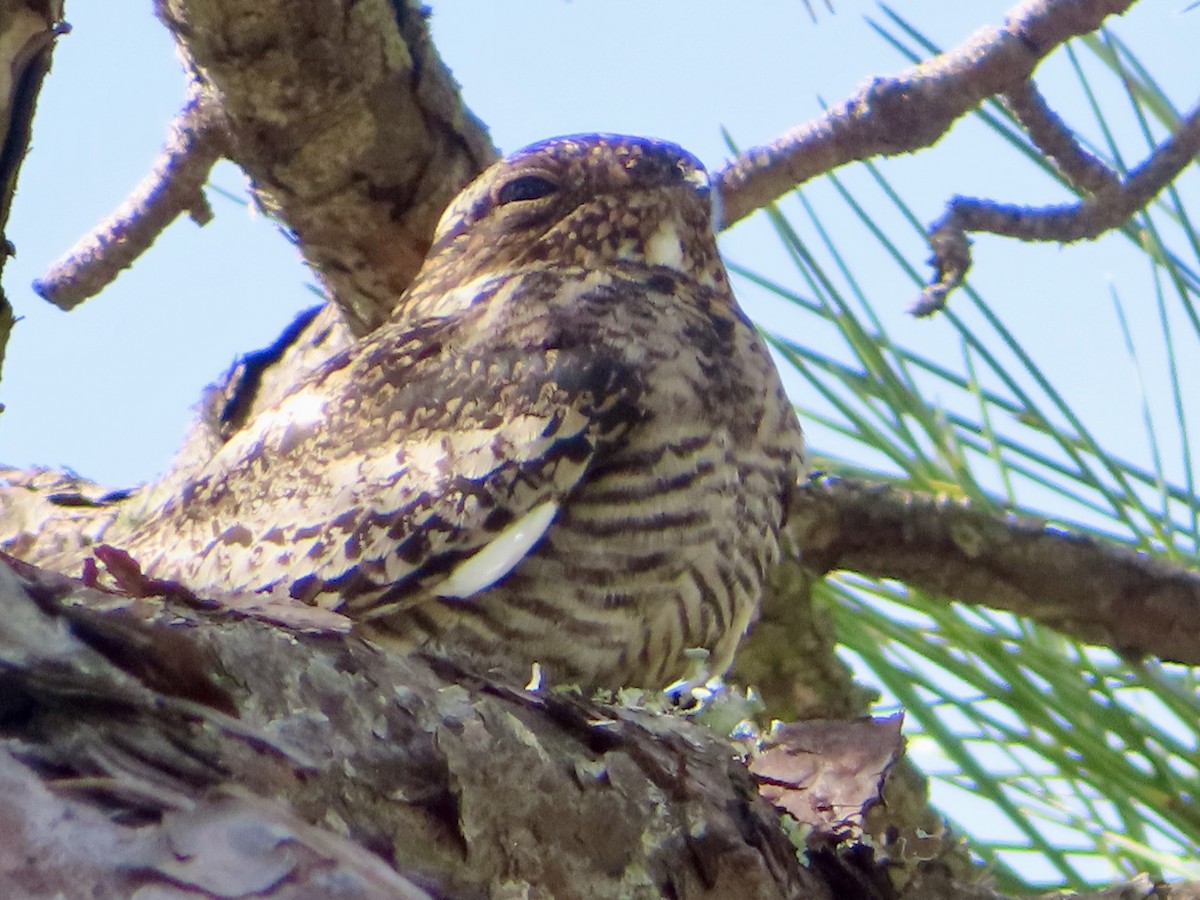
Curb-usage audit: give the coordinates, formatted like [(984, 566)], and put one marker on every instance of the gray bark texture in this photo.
[(149, 743)]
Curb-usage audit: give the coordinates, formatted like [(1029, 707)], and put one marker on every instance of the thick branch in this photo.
[(355, 140), (1101, 593), (354, 136), (146, 743), (191, 733), (173, 187), (912, 110), (349, 125)]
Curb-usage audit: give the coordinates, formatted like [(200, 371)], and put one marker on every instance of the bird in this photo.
[(567, 451)]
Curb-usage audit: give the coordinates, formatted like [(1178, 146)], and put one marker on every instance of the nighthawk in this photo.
[(568, 447)]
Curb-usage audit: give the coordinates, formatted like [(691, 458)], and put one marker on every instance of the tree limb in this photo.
[(173, 186), (909, 111), (1051, 135), (146, 743), (1101, 593), (1110, 203), (27, 33), (348, 124), (187, 730)]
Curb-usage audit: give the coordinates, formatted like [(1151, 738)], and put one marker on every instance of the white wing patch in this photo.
[(501, 555)]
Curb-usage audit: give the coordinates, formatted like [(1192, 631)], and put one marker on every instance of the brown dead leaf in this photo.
[(826, 773)]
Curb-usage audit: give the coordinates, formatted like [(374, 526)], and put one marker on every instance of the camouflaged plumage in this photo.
[(569, 447)]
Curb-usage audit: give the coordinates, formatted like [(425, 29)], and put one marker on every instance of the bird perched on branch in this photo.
[(568, 447)]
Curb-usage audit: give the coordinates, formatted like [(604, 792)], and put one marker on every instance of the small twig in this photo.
[(173, 186), (910, 111), (1110, 206), (1057, 142), (1099, 592)]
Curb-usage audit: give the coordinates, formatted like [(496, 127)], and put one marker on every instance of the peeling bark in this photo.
[(178, 729)]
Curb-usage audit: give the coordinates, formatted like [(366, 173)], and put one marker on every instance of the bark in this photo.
[(1099, 592), (220, 753), (354, 136), (179, 749), (27, 32)]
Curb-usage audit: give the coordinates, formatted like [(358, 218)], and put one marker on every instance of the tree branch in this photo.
[(147, 743), (909, 111), (27, 33), (355, 142), (1110, 204), (368, 119), (1098, 592), (189, 731), (347, 122), (173, 186), (1051, 135)]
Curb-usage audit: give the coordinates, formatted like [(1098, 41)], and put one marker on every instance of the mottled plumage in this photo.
[(568, 447)]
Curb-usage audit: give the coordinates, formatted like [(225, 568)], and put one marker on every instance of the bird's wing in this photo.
[(410, 465)]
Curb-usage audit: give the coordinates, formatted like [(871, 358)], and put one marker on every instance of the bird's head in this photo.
[(590, 201)]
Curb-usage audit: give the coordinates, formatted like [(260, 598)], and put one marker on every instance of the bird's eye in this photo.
[(525, 187)]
